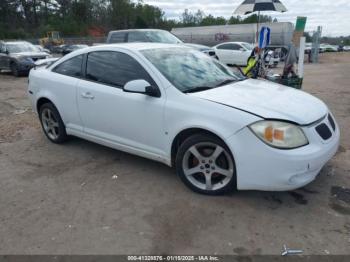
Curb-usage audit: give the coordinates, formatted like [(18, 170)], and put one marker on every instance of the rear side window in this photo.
[(71, 67), (118, 37), (114, 68), (226, 47), (236, 47), (137, 37), (229, 47)]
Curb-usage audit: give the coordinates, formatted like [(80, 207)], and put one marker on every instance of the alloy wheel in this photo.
[(208, 166), (50, 124)]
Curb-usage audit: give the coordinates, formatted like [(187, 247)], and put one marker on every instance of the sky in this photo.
[(332, 15)]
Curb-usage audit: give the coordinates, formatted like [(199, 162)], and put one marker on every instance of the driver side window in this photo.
[(114, 68)]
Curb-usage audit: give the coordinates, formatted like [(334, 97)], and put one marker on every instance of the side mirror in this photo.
[(141, 87), (241, 49)]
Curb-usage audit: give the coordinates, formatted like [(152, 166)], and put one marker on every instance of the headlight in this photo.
[(26, 59), (279, 134)]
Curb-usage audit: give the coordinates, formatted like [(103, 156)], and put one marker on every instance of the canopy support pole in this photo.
[(257, 28)]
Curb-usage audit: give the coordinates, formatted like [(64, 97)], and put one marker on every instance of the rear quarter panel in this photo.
[(61, 90)]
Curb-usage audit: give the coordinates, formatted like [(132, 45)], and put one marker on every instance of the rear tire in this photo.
[(14, 69), (205, 164), (52, 123)]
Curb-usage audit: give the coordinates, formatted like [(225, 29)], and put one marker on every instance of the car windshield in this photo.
[(20, 47), (190, 70), (162, 37)]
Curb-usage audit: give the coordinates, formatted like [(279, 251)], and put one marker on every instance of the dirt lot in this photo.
[(82, 198)]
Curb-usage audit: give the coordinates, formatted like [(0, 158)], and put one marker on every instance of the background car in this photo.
[(233, 53), (346, 48), (237, 53), (42, 49), (70, 48), (153, 36), (328, 48), (57, 49), (19, 57)]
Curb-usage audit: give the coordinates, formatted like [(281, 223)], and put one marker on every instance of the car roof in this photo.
[(135, 30), (234, 43), (133, 47), (136, 46)]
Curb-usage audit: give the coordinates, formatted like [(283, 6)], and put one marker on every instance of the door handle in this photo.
[(87, 95)]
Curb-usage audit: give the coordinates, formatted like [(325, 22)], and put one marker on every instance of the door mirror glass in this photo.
[(241, 49), (141, 87)]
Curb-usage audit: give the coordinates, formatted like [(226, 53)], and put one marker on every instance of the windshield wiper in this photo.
[(198, 89), (226, 82)]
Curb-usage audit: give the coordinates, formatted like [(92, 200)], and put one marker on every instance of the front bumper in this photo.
[(25, 66), (261, 167)]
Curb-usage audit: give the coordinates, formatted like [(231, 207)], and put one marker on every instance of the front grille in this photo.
[(324, 131), (331, 121), (37, 58)]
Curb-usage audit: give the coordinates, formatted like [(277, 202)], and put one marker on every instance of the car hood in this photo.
[(268, 100), (30, 54)]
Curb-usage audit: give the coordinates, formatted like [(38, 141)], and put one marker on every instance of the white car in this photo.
[(178, 106), (234, 53)]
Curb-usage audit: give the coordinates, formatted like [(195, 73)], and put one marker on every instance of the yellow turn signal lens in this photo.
[(269, 133)]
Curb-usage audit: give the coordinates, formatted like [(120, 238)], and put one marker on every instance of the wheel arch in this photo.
[(41, 101), (186, 133)]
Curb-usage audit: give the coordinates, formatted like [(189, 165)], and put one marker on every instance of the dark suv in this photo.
[(19, 56), (154, 36)]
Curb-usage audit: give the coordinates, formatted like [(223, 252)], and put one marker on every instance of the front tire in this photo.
[(14, 69), (205, 164), (52, 123)]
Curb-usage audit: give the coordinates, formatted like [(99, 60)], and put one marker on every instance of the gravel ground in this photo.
[(82, 198)]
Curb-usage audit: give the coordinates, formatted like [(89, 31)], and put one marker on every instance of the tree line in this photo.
[(33, 18)]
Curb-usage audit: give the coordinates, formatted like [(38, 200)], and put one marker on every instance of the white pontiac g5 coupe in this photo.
[(178, 106)]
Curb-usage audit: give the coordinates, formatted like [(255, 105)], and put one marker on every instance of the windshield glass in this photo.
[(188, 69), (20, 47), (162, 37)]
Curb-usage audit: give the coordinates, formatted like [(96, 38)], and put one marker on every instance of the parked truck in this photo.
[(281, 34)]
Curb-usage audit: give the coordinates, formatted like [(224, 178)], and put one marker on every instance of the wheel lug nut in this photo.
[(207, 171)]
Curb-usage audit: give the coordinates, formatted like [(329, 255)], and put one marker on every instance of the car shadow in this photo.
[(160, 172)]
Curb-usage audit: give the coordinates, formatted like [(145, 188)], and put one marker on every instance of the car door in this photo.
[(133, 121), (62, 82), (224, 53), (230, 54), (239, 54)]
